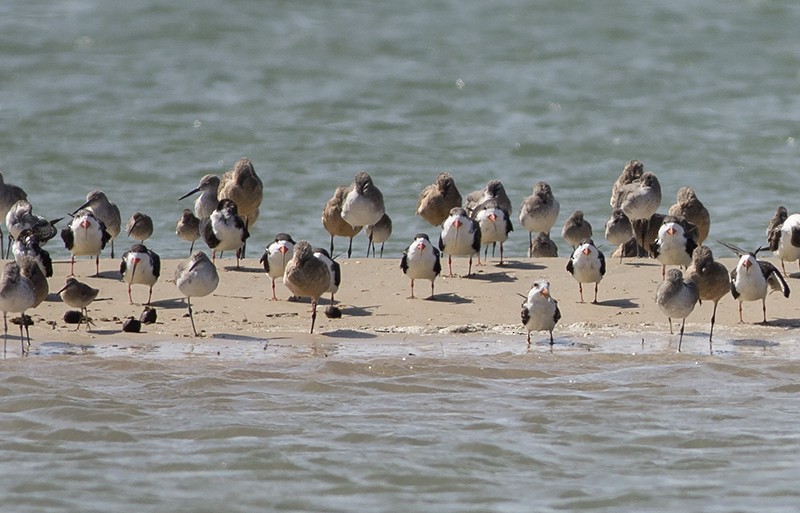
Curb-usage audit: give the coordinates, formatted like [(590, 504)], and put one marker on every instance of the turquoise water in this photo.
[(140, 99)]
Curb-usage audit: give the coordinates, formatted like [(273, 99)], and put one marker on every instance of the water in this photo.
[(140, 99)]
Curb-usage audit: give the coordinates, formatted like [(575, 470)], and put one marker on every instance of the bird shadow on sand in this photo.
[(449, 297), (108, 275), (494, 277), (357, 311), (169, 303), (623, 303), (241, 269), (784, 323), (525, 266), (754, 342), (237, 337), (349, 334)]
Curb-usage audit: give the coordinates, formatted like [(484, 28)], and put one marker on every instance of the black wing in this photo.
[(337, 273), (123, 266), (774, 277), (570, 265), (68, 237), (437, 264), (106, 236), (655, 249), (47, 262), (795, 236), (602, 258), (525, 314), (476, 239), (208, 235), (734, 292), (265, 261), (691, 245), (156, 263), (404, 262), (557, 314)]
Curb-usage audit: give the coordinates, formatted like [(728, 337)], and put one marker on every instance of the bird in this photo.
[(9, 194), (332, 219), (540, 310), (379, 233), (20, 217), (421, 261), (307, 276), (16, 295), (27, 245), (587, 265), (78, 295), (276, 255), (631, 172), (676, 298), (689, 207), (675, 243), (188, 228), (29, 268), (618, 229), (538, 212), (140, 266), (543, 246), (436, 200), (640, 200), (460, 236), (207, 202), (86, 235), (105, 211), (243, 186), (363, 204), (711, 278), (494, 223), (226, 230), (139, 227), (196, 277), (783, 236), (576, 229), (334, 269), (753, 278), (494, 190)]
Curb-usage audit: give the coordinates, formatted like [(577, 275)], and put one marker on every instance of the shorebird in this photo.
[(139, 227), (363, 203), (78, 295), (544, 247), (421, 261), (196, 277), (753, 278), (9, 194), (30, 269), (494, 223), (640, 200), (538, 212), (86, 235), (207, 202), (689, 207), (587, 265), (243, 186), (140, 266), (16, 295), (676, 298), (461, 236), (225, 231), (576, 229), (332, 219), (675, 243), (618, 229), (276, 255), (494, 190), (631, 172), (334, 269), (711, 278), (307, 276), (20, 217), (105, 211), (27, 245), (379, 233), (783, 236), (438, 199), (188, 228), (540, 310)]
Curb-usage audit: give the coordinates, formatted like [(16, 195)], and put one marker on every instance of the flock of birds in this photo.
[(227, 207)]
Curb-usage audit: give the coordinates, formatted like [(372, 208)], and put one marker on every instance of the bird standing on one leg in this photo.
[(307, 276), (676, 298)]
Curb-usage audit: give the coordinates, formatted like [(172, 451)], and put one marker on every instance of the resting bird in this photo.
[(276, 255), (436, 200), (540, 310), (783, 236), (711, 278), (753, 278), (676, 298), (538, 212)]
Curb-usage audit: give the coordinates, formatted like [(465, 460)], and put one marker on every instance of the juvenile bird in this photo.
[(139, 227), (188, 228), (86, 235), (16, 295), (576, 229), (379, 233), (243, 186), (494, 223), (711, 278), (688, 206), (544, 247), (783, 236)]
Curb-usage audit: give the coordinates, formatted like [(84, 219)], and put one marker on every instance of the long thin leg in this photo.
[(382, 243), (369, 245), (596, 285), (191, 249), (469, 269), (740, 312), (670, 326), (450, 264), (529, 340), (5, 325), (349, 248), (680, 339), (21, 338), (412, 289), (313, 314), (274, 297), (97, 263), (72, 265), (711, 333), (332, 245), (191, 316), (764, 309), (150, 295), (580, 290), (530, 244), (431, 290), (112, 249)]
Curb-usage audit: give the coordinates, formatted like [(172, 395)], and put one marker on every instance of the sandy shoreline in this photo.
[(374, 301)]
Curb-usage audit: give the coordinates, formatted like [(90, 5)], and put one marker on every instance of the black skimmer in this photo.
[(421, 261), (363, 203), (461, 236), (379, 233), (105, 211), (16, 295), (689, 207), (225, 230), (540, 310), (332, 219), (196, 277), (753, 278), (27, 245), (207, 202), (576, 229), (78, 295), (675, 243), (640, 200), (334, 269), (587, 265), (307, 276), (188, 228), (543, 246), (86, 235), (538, 212), (276, 255), (783, 236), (9, 194), (243, 186), (139, 227), (438, 199), (676, 298), (712, 280), (140, 266), (494, 223)]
